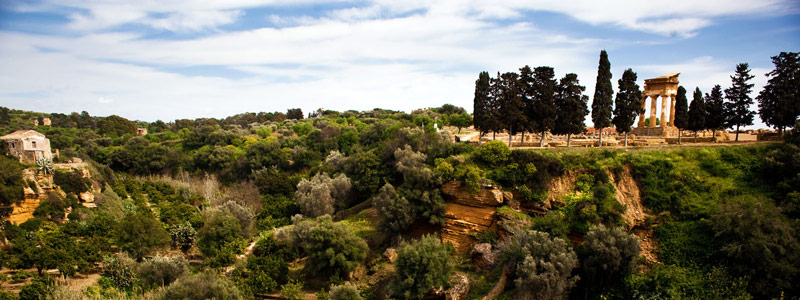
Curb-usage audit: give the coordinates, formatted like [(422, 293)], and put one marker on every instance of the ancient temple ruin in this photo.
[(666, 88)]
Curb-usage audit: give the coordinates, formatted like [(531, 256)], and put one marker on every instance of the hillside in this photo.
[(370, 205)]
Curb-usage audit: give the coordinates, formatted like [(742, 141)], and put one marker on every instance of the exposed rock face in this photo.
[(485, 196), (482, 256), (467, 214), (23, 210), (629, 194), (459, 287)]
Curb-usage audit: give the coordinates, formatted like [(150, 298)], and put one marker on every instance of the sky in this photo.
[(149, 60)]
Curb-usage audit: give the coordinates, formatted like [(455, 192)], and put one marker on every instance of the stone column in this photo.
[(664, 103), (672, 111), (653, 101), (642, 113)]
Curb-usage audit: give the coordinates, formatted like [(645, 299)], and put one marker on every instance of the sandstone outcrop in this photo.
[(467, 214)]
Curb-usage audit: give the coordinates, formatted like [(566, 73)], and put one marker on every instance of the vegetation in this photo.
[(422, 265)]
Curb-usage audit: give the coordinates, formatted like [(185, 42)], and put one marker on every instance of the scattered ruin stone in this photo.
[(390, 254)]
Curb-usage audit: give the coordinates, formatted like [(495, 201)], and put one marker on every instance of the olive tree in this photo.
[(322, 195), (542, 265), (422, 265), (608, 256)]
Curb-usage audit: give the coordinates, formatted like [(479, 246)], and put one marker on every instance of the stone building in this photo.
[(27, 146), (666, 88)]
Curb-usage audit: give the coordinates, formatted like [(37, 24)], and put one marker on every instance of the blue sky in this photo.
[(150, 60)]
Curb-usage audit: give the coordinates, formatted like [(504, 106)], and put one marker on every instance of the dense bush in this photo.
[(11, 182), (139, 234), (71, 181), (395, 211), (161, 270), (333, 249), (121, 270), (493, 153), (543, 266), (220, 237), (322, 195), (183, 236), (758, 242), (346, 291), (607, 256), (201, 286), (422, 265)]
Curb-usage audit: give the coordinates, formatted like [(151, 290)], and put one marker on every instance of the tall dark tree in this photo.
[(602, 102), (779, 101), (481, 104), (737, 108), (628, 103), (571, 107), (5, 119), (543, 115), (527, 84), (681, 111), (697, 113), (495, 120), (715, 117), (511, 105), (294, 113)]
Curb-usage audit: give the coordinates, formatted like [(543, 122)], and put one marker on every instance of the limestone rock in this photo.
[(87, 197), (459, 287), (485, 196), (462, 222), (390, 254), (482, 256)]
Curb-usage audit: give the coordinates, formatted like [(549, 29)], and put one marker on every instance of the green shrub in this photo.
[(11, 181), (422, 265), (200, 286), (292, 290), (161, 270), (543, 266), (333, 248), (346, 291), (71, 181), (493, 153), (183, 236), (121, 270), (220, 236), (139, 234)]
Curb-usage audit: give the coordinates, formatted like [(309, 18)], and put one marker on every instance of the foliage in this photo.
[(571, 106), (607, 256), (715, 111), (422, 265), (333, 249), (737, 108), (161, 270), (346, 291), (543, 266), (778, 101), (681, 109), (758, 242), (628, 103), (395, 211), (116, 125), (200, 286), (697, 112), (292, 290), (294, 113), (493, 153), (460, 120), (121, 270), (11, 182), (601, 102), (139, 234), (271, 182), (220, 237), (482, 109), (322, 195), (183, 236)]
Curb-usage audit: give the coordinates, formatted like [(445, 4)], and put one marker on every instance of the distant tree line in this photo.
[(533, 101)]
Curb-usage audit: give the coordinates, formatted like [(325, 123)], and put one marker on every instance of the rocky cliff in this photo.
[(467, 214)]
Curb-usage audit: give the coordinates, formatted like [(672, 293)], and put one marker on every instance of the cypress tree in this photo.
[(602, 102), (480, 109), (495, 116), (779, 101), (571, 107), (628, 103), (681, 111), (526, 85), (511, 105), (737, 109), (544, 113), (715, 118), (697, 113)]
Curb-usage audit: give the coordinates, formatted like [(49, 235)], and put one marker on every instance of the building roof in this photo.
[(19, 134), (671, 77)]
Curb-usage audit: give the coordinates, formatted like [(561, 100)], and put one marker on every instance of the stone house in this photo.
[(27, 146)]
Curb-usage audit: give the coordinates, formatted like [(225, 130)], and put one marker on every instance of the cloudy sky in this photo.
[(151, 60)]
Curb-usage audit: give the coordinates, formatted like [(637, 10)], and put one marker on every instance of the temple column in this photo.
[(642, 112), (653, 101), (664, 102), (672, 111)]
